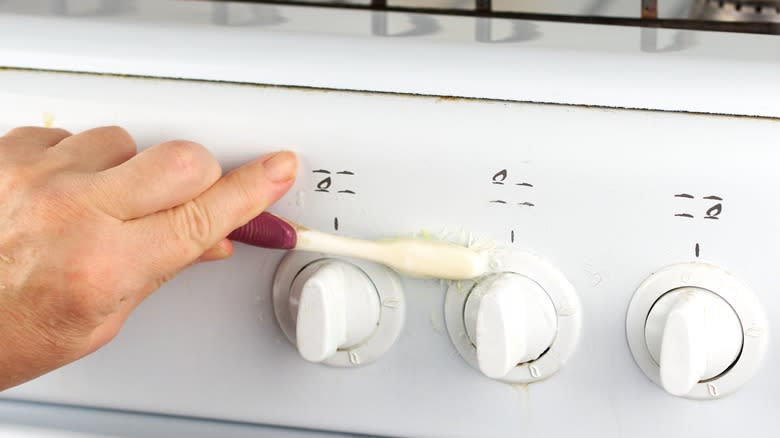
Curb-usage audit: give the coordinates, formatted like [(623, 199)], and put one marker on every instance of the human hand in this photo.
[(89, 229)]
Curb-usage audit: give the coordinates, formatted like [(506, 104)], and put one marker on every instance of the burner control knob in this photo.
[(511, 320), (697, 331), (335, 306), (693, 335), (518, 325)]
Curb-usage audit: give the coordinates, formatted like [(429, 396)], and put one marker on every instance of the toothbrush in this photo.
[(414, 257)]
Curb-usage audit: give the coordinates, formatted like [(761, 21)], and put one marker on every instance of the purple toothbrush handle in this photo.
[(267, 231)]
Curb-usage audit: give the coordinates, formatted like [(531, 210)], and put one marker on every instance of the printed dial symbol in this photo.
[(500, 176), (327, 183), (712, 211), (324, 185)]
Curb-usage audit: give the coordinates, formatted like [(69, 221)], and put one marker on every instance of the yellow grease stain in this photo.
[(48, 120), (436, 322), (524, 416), (425, 234)]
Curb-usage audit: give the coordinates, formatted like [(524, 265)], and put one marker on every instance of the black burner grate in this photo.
[(647, 15)]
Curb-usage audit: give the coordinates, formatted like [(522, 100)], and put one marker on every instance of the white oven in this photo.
[(613, 160)]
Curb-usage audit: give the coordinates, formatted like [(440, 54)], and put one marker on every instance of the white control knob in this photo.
[(693, 335), (335, 306), (697, 331), (511, 320)]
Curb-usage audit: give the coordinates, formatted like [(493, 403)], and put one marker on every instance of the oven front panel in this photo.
[(603, 211)]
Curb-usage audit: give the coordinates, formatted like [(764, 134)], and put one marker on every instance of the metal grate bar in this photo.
[(720, 26), (649, 9), (483, 6)]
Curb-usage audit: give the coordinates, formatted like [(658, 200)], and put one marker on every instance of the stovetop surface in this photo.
[(397, 51)]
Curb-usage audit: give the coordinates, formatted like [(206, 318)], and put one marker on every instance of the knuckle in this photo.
[(62, 132), (212, 170), (185, 157), (115, 131), (194, 223), (119, 138), (22, 131), (27, 132)]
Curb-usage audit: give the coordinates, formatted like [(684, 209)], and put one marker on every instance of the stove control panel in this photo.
[(632, 267)]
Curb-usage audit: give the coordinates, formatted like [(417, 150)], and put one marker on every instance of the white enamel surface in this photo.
[(336, 306), (693, 335), (7, 431), (511, 320), (613, 66), (208, 343), (57, 421)]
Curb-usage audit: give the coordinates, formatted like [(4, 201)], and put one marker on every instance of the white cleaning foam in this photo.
[(415, 257)]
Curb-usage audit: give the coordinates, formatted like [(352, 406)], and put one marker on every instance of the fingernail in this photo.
[(221, 250), (281, 167)]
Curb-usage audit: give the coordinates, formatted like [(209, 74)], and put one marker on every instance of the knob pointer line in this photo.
[(414, 257)]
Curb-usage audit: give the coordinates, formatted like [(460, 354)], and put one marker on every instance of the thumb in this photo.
[(183, 233)]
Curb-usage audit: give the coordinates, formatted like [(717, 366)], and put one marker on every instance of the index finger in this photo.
[(171, 240)]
